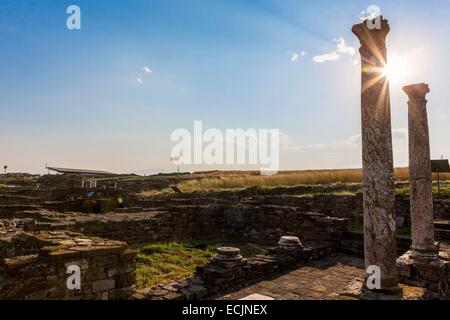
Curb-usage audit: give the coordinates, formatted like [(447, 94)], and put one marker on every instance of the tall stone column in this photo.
[(420, 176), (378, 170), (421, 266)]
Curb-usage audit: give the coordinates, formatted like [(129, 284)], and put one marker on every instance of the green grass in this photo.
[(166, 262), (163, 263), (2, 186), (444, 193)]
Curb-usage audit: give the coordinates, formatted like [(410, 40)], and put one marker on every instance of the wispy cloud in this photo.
[(332, 56), (297, 55), (350, 143), (147, 69), (341, 49), (286, 142)]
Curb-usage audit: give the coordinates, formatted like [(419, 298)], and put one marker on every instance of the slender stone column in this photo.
[(420, 177), (378, 170)]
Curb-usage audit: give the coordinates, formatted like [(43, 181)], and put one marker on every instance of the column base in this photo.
[(357, 290), (424, 256), (425, 270), (388, 287)]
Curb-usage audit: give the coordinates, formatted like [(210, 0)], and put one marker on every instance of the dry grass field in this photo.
[(236, 180)]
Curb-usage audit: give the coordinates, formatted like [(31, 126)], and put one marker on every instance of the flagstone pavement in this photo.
[(317, 280)]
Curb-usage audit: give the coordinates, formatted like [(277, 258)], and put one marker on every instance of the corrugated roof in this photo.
[(82, 171)]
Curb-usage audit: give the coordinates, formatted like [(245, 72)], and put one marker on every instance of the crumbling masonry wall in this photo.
[(183, 223), (37, 264)]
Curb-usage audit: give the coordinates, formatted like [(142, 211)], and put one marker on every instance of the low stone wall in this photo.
[(353, 244), (184, 223), (343, 206), (268, 223), (8, 199), (335, 205), (71, 199), (10, 210), (442, 208), (141, 227), (35, 267)]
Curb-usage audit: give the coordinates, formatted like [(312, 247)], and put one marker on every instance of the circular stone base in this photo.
[(228, 251), (290, 244), (425, 256), (227, 256)]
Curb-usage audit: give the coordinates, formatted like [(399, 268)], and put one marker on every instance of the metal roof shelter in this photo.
[(82, 171)]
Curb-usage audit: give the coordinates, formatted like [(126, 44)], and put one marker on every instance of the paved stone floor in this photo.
[(318, 280)]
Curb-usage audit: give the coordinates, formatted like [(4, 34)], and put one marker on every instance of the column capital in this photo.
[(370, 32), (417, 91)]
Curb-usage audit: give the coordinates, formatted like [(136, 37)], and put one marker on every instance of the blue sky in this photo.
[(73, 98)]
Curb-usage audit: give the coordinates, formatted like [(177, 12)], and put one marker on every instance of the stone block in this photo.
[(103, 285), (426, 274), (198, 291), (120, 294), (174, 296)]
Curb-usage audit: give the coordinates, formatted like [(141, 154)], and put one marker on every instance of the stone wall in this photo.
[(34, 267), (344, 206), (8, 199), (71, 199), (335, 205), (184, 223), (268, 223), (11, 210), (442, 209)]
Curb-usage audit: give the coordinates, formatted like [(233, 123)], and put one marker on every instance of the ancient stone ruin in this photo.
[(378, 169), (420, 177), (422, 265), (34, 266), (39, 241), (79, 236)]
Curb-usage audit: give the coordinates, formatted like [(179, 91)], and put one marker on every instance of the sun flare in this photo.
[(396, 70)]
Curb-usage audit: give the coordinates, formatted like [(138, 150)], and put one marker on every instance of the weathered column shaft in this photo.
[(378, 170), (420, 176)]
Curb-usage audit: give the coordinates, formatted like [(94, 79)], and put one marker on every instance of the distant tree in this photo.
[(5, 167)]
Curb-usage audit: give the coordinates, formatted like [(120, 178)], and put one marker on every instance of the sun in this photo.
[(396, 70)]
